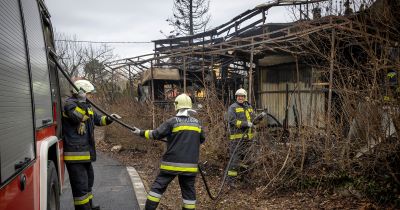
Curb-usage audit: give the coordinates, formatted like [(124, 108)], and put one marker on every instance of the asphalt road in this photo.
[(112, 187)]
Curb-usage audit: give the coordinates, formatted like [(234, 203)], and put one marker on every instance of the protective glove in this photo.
[(250, 124), (82, 129), (85, 117), (116, 116), (136, 131)]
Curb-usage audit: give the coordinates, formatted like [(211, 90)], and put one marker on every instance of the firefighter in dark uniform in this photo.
[(392, 96), (184, 136), (78, 121), (240, 117), (393, 90)]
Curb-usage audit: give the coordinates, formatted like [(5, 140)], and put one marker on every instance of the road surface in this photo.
[(112, 188)]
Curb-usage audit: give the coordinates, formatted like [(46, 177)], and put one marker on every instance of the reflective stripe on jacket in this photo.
[(238, 116), (184, 136), (80, 148)]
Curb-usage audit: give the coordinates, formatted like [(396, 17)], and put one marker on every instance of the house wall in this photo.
[(272, 82)]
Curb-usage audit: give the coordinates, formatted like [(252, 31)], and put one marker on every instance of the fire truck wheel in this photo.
[(53, 195)]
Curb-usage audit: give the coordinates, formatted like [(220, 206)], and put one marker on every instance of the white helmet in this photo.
[(84, 85), (241, 92), (183, 101)]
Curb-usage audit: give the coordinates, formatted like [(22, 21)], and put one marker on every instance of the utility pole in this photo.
[(251, 73)]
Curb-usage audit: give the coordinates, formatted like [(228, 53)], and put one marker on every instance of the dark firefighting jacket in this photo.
[(80, 148), (184, 136), (238, 117)]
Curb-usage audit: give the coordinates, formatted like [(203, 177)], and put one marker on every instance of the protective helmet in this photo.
[(392, 77), (241, 92), (183, 101), (84, 85)]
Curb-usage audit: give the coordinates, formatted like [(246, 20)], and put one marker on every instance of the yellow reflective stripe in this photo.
[(239, 110), (391, 74), (189, 206), (250, 110), (248, 116), (103, 120), (232, 173), (386, 98), (152, 198), (90, 112), (238, 123), (186, 128), (250, 135), (147, 134), (91, 196), (82, 111), (85, 157), (176, 168), (235, 136), (81, 202), (238, 136)]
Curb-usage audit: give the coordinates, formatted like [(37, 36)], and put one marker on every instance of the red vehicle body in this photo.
[(31, 146)]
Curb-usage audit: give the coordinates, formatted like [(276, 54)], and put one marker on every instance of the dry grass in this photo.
[(278, 172)]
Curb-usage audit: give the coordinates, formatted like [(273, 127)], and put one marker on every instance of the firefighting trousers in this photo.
[(159, 186), (239, 157), (81, 178)]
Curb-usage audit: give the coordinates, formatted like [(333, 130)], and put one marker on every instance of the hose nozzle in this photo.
[(259, 117)]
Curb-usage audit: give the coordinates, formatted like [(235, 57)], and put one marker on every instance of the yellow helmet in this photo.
[(183, 101), (84, 85), (241, 92)]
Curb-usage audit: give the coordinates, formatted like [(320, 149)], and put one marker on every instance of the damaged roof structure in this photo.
[(291, 69)]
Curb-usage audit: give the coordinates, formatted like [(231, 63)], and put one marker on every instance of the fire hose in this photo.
[(60, 68), (256, 120)]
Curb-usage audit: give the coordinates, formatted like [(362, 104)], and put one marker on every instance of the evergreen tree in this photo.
[(190, 16)]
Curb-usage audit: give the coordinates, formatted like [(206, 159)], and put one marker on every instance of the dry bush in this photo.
[(213, 118), (357, 147)]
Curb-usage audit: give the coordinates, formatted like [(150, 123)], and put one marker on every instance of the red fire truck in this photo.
[(31, 149)]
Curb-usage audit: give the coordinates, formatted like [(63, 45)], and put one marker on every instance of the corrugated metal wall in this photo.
[(38, 59), (272, 94)]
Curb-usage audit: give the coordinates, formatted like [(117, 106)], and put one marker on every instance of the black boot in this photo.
[(82, 207), (150, 205), (93, 206)]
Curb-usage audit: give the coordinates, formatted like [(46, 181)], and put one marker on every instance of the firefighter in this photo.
[(392, 96), (78, 121), (393, 90), (184, 136), (240, 118)]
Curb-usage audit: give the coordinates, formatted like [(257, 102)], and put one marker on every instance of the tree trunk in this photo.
[(191, 17)]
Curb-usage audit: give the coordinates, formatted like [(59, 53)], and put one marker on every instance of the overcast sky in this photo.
[(136, 20)]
